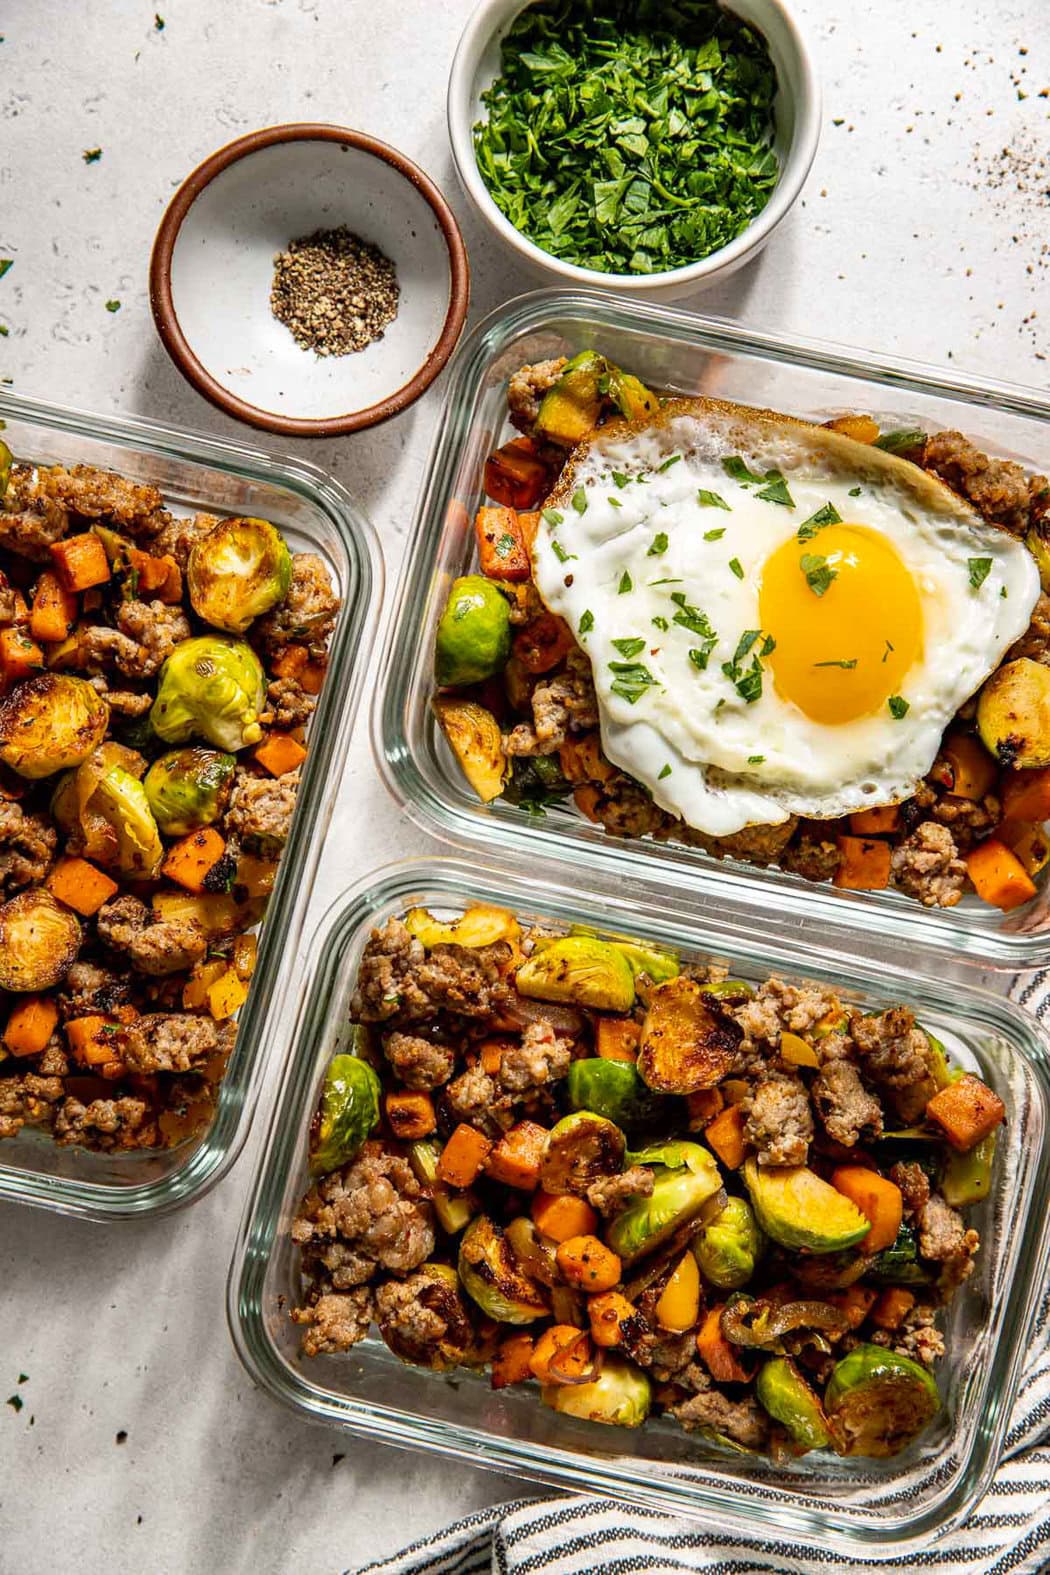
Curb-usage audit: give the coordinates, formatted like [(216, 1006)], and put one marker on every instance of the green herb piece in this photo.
[(632, 680), (898, 706), (586, 622), (15, 1402), (659, 546), (664, 582), (112, 306), (614, 503), (735, 565), (625, 142), (5, 264), (744, 644), (900, 441), (776, 492), (889, 647), (552, 517), (734, 466), (714, 535), (579, 501), (979, 568), (769, 645), (91, 155), (700, 656), (4, 330), (666, 772), (158, 23), (619, 479), (505, 545), (626, 584), (848, 664), (749, 685), (855, 492), (755, 760), (630, 647), (667, 464), (560, 553), (23, 1378), (818, 574), (661, 623), (1003, 592), (712, 500), (828, 515)]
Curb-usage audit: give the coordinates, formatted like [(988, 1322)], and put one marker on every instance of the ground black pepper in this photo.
[(335, 292)]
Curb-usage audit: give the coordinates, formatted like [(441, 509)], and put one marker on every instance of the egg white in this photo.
[(705, 752)]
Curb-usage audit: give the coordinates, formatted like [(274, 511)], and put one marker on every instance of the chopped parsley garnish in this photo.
[(855, 492), (632, 679), (847, 663), (737, 568), (112, 306), (744, 644), (979, 568), (559, 552), (505, 545), (5, 264), (579, 500), (586, 622), (691, 618), (619, 479), (614, 503), (659, 546), (700, 656), (4, 330), (15, 1402), (661, 624), (665, 582), (818, 574), (158, 23), (714, 535), (776, 492), (552, 517), (755, 760), (734, 466), (712, 500), (1003, 592), (667, 464), (630, 647), (889, 648), (828, 515), (626, 584), (898, 442), (91, 155), (898, 706), (666, 772)]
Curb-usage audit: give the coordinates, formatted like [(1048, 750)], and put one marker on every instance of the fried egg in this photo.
[(780, 620)]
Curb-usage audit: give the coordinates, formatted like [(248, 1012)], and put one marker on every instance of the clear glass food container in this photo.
[(687, 354), (856, 1506), (315, 514)]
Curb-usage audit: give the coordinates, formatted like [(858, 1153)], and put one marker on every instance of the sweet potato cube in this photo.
[(967, 1111), (80, 561)]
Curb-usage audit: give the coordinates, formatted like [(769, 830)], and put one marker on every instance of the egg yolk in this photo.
[(847, 620)]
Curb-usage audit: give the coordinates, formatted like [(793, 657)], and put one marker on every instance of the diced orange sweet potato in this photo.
[(967, 1111), (1026, 794), (515, 475), (892, 1307), (703, 1107), (463, 1156), (189, 860), (588, 1263), (998, 875), (616, 1038), (89, 1039), (864, 864), (515, 1161), (1027, 841), (581, 759), (862, 429), (312, 677), (563, 1216), (410, 1114), (278, 754), (511, 1363), (855, 1303), (529, 524), (586, 797), (543, 643), (725, 1134), (19, 656), (158, 579), (608, 1313), (973, 771), (80, 885), (878, 1200), (290, 661), (875, 822), (562, 1354), (80, 561), (718, 1354), (490, 1054), (31, 1023), (501, 546), (54, 610)]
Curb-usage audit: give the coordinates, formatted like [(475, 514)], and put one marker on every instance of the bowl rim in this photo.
[(177, 345), (798, 161)]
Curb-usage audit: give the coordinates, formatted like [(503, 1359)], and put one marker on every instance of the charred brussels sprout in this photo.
[(473, 637), (237, 572), (729, 1248), (899, 1264), (785, 1394), (967, 1178), (121, 801), (570, 408), (50, 723), (799, 1210), (349, 1111), (614, 1090), (620, 1396), (877, 1402), (210, 688), (477, 743), (581, 1148), (189, 788), (479, 926), (39, 941), (437, 1331), (493, 1277), (581, 970), (677, 1197), (648, 962), (1013, 713), (103, 804), (687, 1043)]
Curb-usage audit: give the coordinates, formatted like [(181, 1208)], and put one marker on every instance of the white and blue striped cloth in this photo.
[(1008, 1534)]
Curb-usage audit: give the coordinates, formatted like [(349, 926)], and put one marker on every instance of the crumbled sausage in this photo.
[(540, 1058), (27, 846), (419, 1063), (999, 489), (846, 1108), (26, 1100), (914, 1184), (626, 810), (610, 1195), (760, 845), (153, 945), (260, 810), (307, 614), (527, 387), (927, 866), (89, 988), (564, 703), (742, 1421), (288, 703), (474, 1097), (144, 638), (32, 516), (812, 856), (124, 1122), (168, 1042), (336, 1321), (399, 980), (779, 1123), (178, 537), (776, 1006), (1035, 642), (896, 1057), (373, 1211), (944, 1239), (968, 819), (917, 1336)]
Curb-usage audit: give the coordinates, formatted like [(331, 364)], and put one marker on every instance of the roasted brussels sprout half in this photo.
[(729, 1248), (237, 572), (189, 788), (620, 1396), (649, 962), (39, 941), (50, 723), (614, 1090), (876, 1402), (687, 1044), (348, 1113), (629, 394), (677, 1197), (785, 1394), (967, 1177), (473, 636), (900, 1264), (581, 1148), (438, 1333), (1013, 713), (104, 805), (7, 459), (478, 926), (213, 688), (491, 1274), (580, 969), (799, 1210), (454, 1210), (570, 409), (477, 743)]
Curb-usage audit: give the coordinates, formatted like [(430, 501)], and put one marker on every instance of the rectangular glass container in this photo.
[(673, 351), (316, 514), (875, 1507)]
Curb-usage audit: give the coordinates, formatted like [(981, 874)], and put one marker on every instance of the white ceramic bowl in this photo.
[(797, 117), (212, 270)]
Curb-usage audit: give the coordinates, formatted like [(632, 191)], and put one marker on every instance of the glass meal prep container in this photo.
[(672, 351), (845, 1505), (314, 513)]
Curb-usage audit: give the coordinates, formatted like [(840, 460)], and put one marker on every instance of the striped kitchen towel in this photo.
[(1008, 1534)]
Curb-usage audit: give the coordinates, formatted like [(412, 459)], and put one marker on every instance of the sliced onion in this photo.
[(567, 1306), (535, 1258), (568, 1354), (563, 1019), (760, 1323)]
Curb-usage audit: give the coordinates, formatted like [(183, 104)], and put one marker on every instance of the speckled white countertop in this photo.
[(141, 1445)]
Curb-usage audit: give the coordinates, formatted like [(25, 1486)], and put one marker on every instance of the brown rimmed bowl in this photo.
[(211, 272)]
